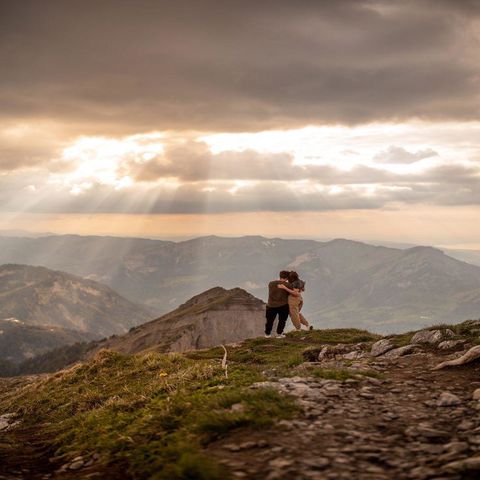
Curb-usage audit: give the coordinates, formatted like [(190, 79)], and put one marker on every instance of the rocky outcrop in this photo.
[(449, 344), (432, 336), (214, 317), (468, 357), (381, 347), (401, 351)]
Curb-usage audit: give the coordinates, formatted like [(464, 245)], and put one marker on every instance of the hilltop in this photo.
[(216, 316), (324, 404), (211, 318), (349, 284)]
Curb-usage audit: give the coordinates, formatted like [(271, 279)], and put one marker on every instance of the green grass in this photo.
[(150, 415)]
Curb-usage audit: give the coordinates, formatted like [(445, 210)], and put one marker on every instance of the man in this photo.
[(277, 305)]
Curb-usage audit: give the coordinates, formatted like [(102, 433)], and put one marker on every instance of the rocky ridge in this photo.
[(209, 319)]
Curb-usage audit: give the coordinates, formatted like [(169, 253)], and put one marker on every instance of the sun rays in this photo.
[(290, 173)]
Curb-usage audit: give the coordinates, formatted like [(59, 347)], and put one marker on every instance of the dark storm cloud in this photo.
[(116, 66)]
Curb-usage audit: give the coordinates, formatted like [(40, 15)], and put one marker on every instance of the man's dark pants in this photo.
[(271, 314)]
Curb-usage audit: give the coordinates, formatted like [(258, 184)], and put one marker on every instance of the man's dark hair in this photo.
[(284, 274)]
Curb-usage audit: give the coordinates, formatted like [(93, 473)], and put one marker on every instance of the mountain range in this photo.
[(42, 309), (348, 283)]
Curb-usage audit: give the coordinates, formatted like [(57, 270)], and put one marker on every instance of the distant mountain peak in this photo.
[(219, 297)]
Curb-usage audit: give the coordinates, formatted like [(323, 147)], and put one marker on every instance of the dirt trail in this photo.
[(372, 429)]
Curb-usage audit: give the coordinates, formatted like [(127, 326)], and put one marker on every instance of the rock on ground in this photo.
[(431, 336), (448, 399), (411, 423), (468, 357), (401, 351), (381, 347), (448, 344)]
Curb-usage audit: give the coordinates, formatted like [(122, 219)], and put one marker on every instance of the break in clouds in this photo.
[(159, 174), (393, 88)]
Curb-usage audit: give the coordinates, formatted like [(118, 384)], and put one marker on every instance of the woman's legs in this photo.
[(293, 304), (302, 319)]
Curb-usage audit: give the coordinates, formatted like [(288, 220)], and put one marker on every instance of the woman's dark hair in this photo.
[(292, 277)]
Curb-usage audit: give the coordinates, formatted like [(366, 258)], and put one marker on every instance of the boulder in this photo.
[(355, 355), (401, 351), (448, 344), (476, 394), (332, 351), (468, 357), (430, 336), (381, 347)]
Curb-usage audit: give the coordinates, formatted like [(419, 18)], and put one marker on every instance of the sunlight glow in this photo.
[(346, 147), (98, 160)]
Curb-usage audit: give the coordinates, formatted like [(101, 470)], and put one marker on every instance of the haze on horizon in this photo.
[(354, 118)]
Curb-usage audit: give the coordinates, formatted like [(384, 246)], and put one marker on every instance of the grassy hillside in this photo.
[(151, 416)]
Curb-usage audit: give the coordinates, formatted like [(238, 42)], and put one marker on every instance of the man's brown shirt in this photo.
[(277, 297)]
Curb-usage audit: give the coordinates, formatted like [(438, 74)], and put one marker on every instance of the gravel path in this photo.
[(411, 423)]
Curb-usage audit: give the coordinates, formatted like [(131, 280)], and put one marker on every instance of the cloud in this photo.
[(362, 188), (231, 66), (400, 155)]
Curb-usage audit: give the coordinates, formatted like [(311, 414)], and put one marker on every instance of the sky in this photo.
[(293, 118)]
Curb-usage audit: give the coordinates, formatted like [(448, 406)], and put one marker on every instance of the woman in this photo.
[(295, 300)]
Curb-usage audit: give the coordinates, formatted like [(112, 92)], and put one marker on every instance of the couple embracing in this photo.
[(285, 298)]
